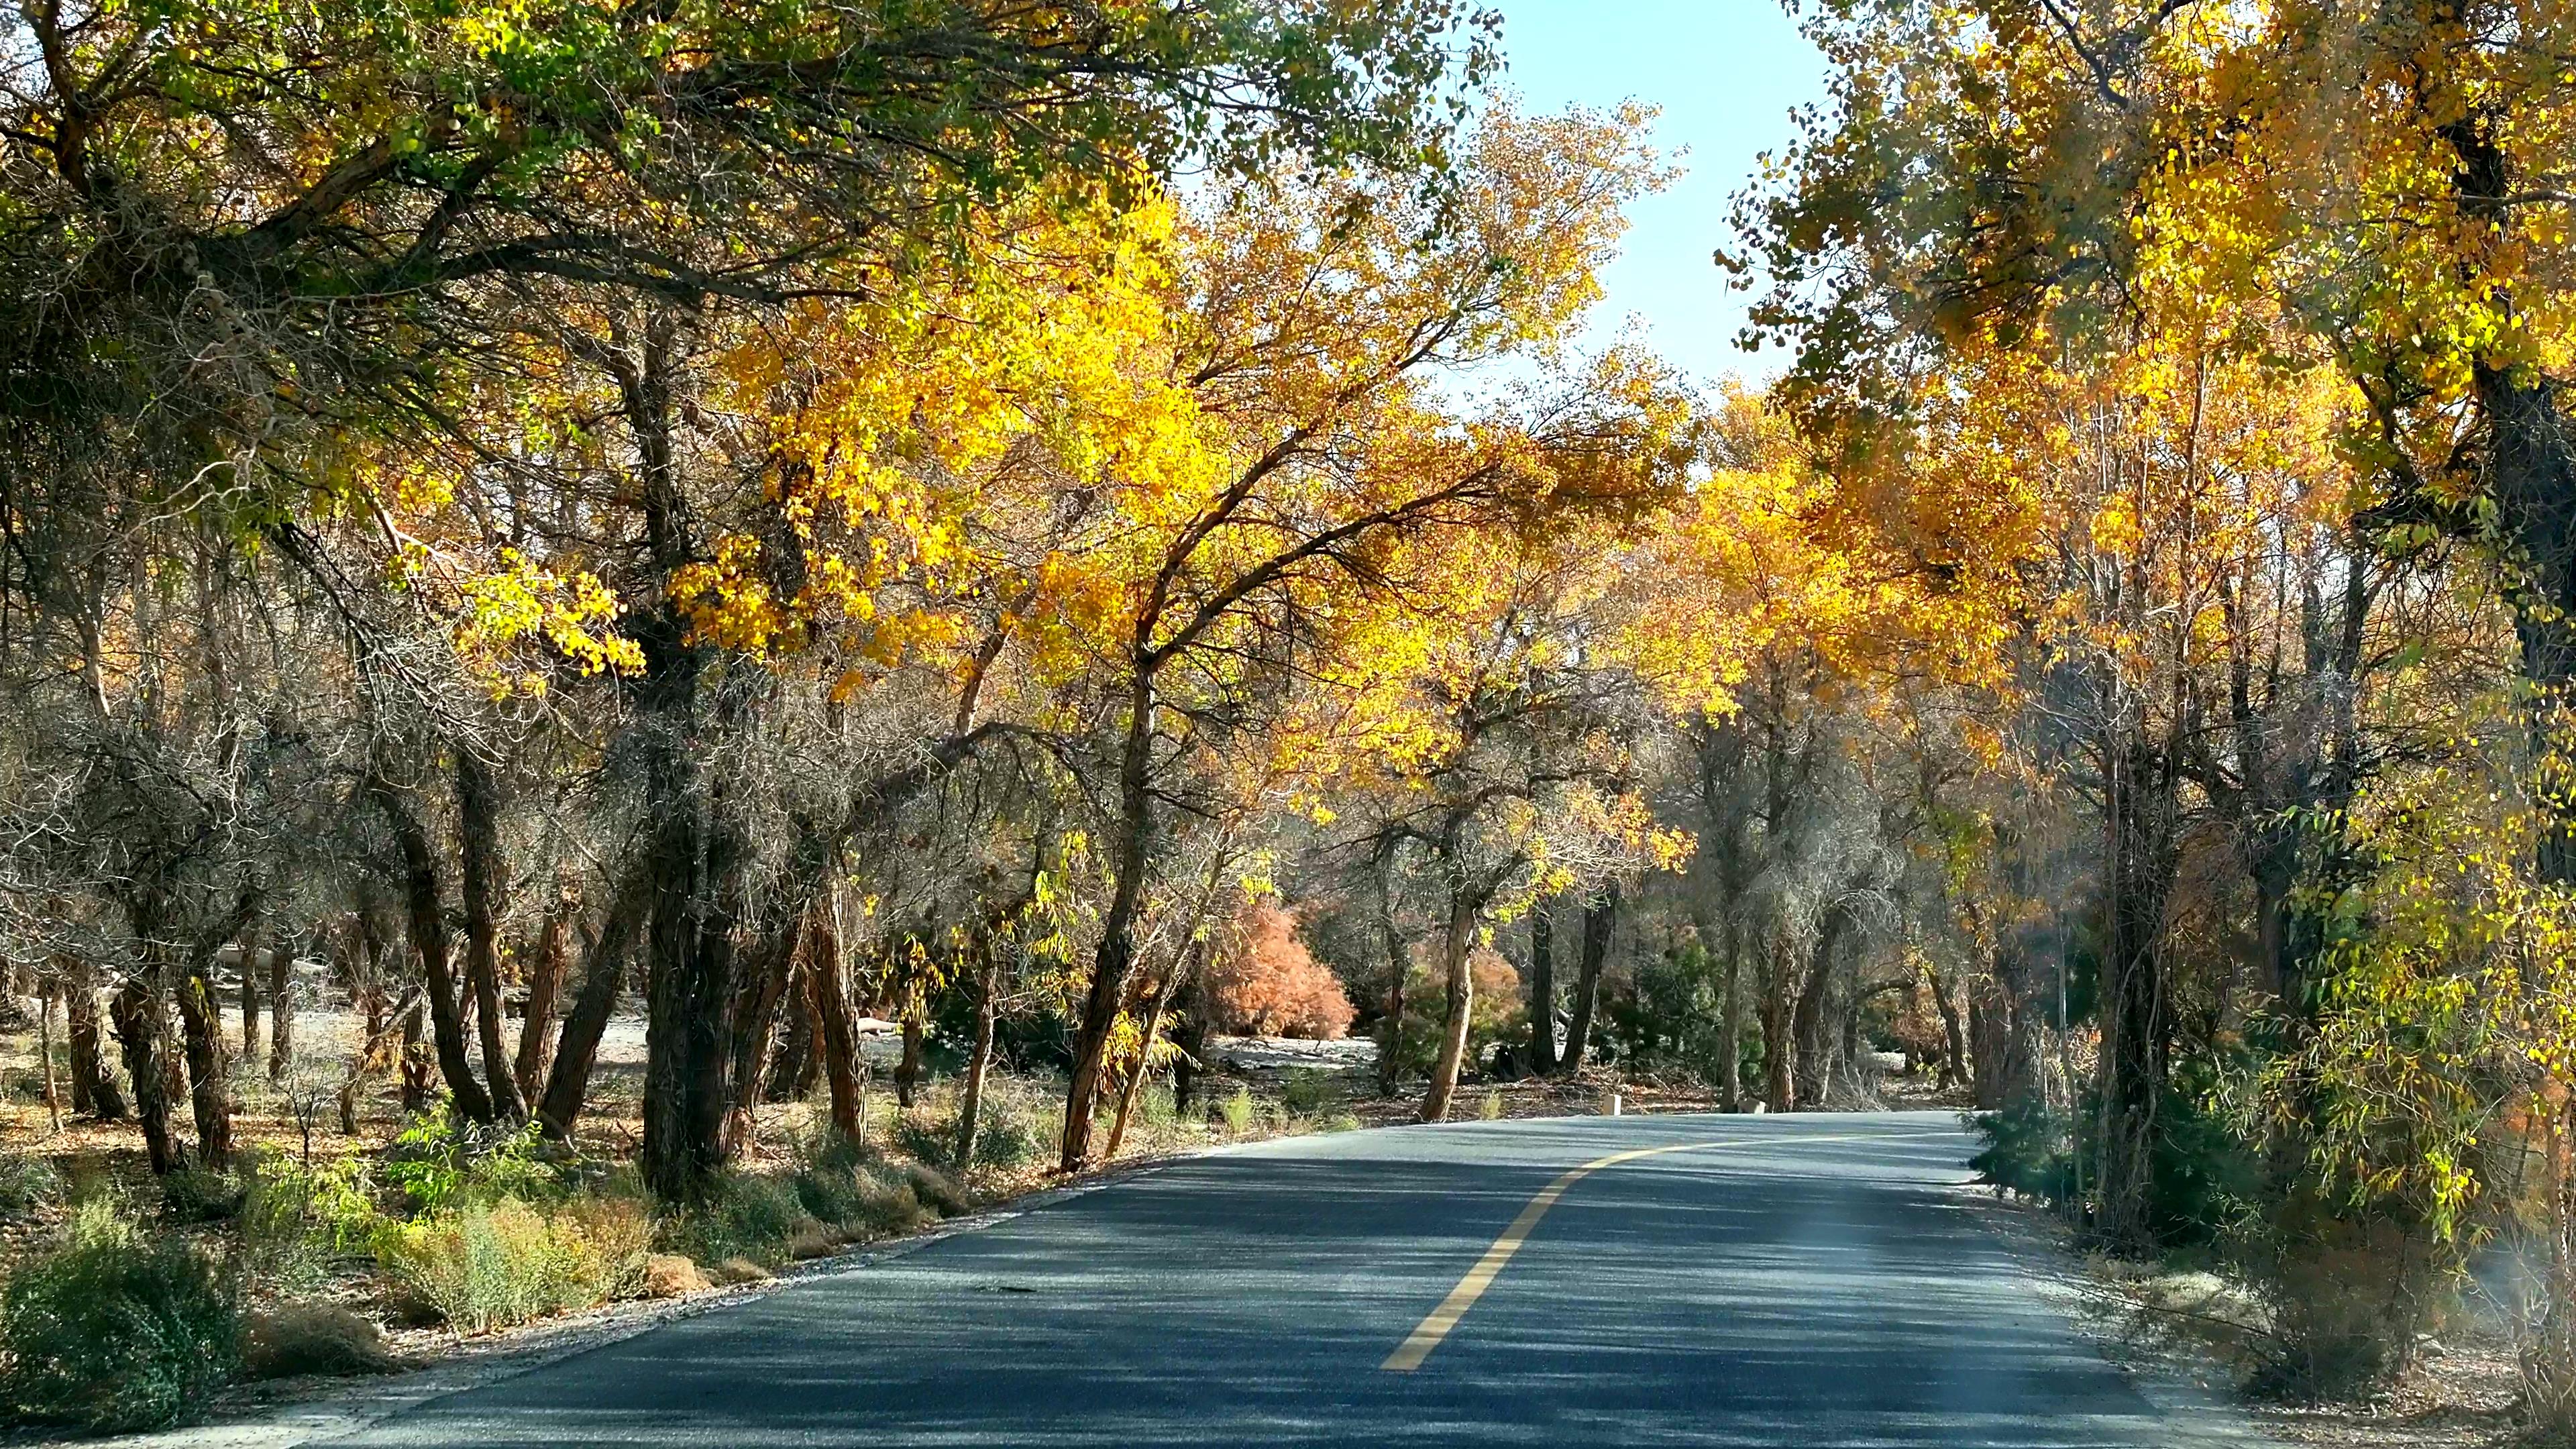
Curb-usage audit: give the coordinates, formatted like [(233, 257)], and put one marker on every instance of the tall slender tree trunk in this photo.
[(1136, 1077), (430, 941), (1954, 1046), (1390, 1048), (979, 1062), (248, 948), (1455, 943), (1731, 1022), (2136, 1017), (137, 1018), (1116, 956), (418, 1062), (1600, 921), (756, 1026), (1542, 988), (48, 986), (1807, 1021), (907, 1072), (1779, 1085), (484, 881), (545, 988), (202, 1032), (93, 1088), (603, 976), (827, 982), (281, 1008)]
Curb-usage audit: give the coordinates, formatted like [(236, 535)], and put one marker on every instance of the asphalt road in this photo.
[(1786, 1281)]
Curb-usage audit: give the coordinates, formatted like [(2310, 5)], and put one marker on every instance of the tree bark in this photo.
[(430, 941), (1391, 1039), (907, 1072), (1600, 921), (1954, 1047), (93, 1089), (137, 1018), (417, 1062), (47, 987), (756, 1026), (577, 1050), (545, 987), (1731, 1022), (1455, 943), (1116, 956), (970, 1106), (1542, 989), (483, 882), (281, 1008), (202, 1032), (1779, 1086), (827, 982), (1136, 1077), (248, 947)]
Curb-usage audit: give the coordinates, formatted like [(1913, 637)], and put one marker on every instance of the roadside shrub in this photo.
[(1309, 1091), (112, 1331), (748, 1215), (482, 1266), (440, 1162), (1015, 1131), (2345, 1299), (296, 1339), (296, 1221), (202, 1194), (2027, 1152), (1240, 1111), (935, 1190), (27, 1182)]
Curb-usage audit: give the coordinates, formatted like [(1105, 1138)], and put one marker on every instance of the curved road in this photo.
[(1781, 1281)]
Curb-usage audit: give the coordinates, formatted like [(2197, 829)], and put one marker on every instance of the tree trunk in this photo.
[(93, 1089), (1117, 953), (202, 1030), (47, 987), (1600, 920), (756, 1027), (907, 1073), (1191, 1038), (970, 1106), (483, 881), (281, 1008), (416, 1062), (1136, 1076), (792, 1070), (2136, 1017), (1779, 1086), (1954, 1046), (1807, 1024), (1542, 989), (137, 1018), (248, 947), (828, 987), (577, 1051), (1398, 966), (1455, 943), (429, 939), (1731, 1022), (382, 1041), (545, 986)]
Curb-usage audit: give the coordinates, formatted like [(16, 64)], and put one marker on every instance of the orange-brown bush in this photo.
[(1265, 983)]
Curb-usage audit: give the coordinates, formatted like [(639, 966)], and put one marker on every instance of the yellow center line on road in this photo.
[(1435, 1325)]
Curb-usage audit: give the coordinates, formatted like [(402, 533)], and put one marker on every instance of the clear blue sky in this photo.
[(1726, 73)]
